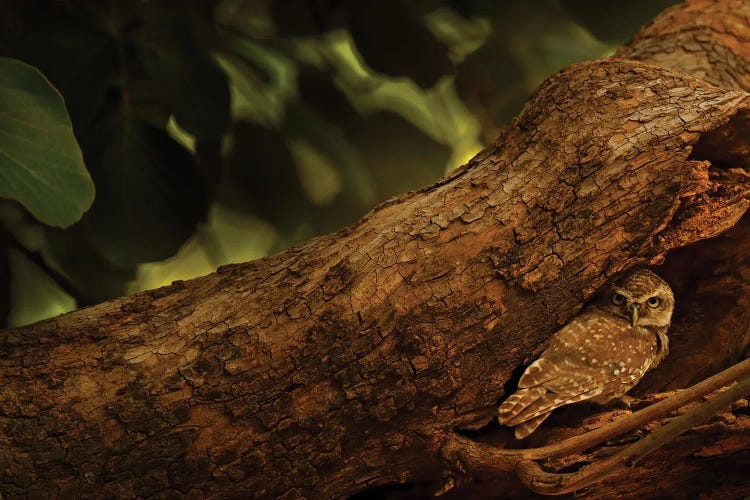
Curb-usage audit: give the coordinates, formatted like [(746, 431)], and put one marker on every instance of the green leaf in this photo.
[(79, 59), (41, 164), (321, 119), (34, 296), (399, 155), (94, 278), (615, 22), (302, 18), (261, 162), (151, 192), (182, 76), (394, 40)]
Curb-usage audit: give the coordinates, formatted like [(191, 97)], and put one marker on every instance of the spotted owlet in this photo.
[(600, 355)]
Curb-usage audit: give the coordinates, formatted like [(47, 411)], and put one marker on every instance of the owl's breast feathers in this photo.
[(596, 356)]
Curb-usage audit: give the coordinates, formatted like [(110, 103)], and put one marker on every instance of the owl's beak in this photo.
[(633, 313)]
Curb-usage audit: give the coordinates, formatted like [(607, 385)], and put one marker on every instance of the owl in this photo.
[(600, 355)]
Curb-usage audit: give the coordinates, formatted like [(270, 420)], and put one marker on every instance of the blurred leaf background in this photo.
[(220, 131)]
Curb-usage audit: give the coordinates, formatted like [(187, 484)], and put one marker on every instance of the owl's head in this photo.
[(642, 297)]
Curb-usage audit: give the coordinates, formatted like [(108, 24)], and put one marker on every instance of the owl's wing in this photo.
[(551, 401), (565, 372), (568, 352)]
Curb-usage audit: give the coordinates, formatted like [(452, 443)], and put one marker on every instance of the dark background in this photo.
[(222, 131)]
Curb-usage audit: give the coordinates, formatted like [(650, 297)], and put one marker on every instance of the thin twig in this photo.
[(548, 483), (638, 419), (37, 259), (466, 453)]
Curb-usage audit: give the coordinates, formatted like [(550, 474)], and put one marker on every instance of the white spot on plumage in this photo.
[(559, 377)]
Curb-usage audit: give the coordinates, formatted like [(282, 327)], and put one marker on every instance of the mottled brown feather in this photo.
[(599, 355)]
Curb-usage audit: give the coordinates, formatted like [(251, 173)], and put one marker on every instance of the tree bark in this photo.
[(328, 369)]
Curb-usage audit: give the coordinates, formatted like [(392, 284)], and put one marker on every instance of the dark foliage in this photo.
[(259, 107)]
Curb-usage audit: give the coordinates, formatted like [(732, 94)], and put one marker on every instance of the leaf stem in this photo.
[(38, 260)]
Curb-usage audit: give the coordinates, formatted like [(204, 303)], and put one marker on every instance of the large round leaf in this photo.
[(615, 22), (261, 162), (181, 76), (151, 193), (94, 278), (41, 164), (393, 40), (77, 57)]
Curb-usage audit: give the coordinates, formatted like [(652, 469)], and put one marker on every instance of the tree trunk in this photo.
[(328, 369)]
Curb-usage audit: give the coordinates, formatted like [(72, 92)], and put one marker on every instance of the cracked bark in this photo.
[(327, 369)]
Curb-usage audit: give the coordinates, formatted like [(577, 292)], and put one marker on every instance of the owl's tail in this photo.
[(515, 410), (525, 428), (518, 403)]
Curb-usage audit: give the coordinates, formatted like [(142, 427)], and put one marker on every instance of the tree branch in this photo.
[(547, 483), (466, 454)]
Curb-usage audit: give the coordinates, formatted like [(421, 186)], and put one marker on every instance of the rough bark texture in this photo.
[(709, 40), (326, 370), (708, 462)]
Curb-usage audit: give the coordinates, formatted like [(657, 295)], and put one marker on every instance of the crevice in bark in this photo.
[(711, 326), (511, 385), (491, 429), (726, 146)]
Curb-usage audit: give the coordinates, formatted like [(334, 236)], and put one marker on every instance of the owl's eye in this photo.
[(618, 299), (653, 301)]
